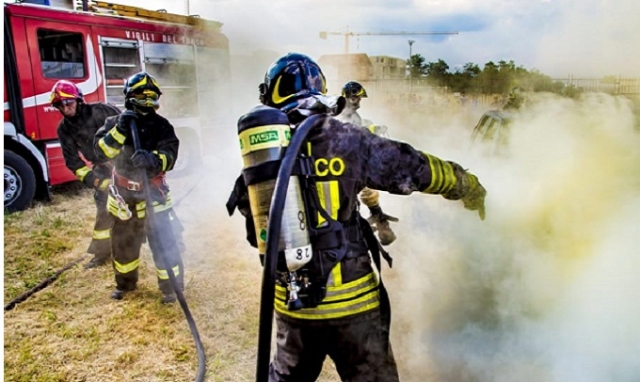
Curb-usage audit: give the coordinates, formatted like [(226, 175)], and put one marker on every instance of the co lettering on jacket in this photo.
[(333, 166)]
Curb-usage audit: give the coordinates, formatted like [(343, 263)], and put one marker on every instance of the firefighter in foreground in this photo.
[(334, 304), (126, 202), (353, 92), (76, 131)]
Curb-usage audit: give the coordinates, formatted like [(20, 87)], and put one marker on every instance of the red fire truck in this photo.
[(97, 49)]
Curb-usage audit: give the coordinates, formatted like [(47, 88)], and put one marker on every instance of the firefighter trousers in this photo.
[(100, 245), (127, 238), (358, 345)]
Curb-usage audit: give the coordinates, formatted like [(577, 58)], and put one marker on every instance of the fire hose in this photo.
[(43, 284), (152, 235)]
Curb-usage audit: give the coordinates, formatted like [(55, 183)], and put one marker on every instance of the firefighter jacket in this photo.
[(76, 136), (346, 159), (157, 135)]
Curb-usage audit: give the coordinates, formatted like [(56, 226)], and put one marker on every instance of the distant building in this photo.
[(346, 67), (388, 68)]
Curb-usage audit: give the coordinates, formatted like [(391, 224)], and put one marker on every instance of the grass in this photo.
[(73, 331)]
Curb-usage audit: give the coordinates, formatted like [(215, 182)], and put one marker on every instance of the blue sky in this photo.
[(557, 37)]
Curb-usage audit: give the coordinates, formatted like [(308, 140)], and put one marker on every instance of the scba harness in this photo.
[(264, 135)]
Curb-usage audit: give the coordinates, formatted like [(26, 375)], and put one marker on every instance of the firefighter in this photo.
[(126, 202), (353, 92), (346, 314), (76, 131)]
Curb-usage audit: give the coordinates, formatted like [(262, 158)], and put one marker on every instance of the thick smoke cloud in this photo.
[(546, 288)]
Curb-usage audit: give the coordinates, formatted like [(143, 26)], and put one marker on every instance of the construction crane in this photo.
[(347, 34)]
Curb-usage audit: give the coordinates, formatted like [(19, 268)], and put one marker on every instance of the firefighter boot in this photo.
[(119, 293), (168, 293), (97, 261)]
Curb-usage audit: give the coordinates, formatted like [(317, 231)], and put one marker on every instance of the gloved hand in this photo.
[(474, 198), (145, 160), (380, 223), (124, 121)]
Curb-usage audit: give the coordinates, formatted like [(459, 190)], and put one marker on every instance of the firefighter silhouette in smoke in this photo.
[(353, 92), (76, 130), (345, 310), (126, 201)]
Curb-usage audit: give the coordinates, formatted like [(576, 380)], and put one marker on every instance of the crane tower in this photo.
[(347, 34)]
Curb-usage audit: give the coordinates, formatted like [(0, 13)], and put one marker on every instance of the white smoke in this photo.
[(547, 287)]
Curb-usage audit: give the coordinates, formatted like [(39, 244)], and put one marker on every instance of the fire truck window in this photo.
[(179, 88), (61, 54)]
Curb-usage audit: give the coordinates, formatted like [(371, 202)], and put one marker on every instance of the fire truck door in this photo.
[(60, 51)]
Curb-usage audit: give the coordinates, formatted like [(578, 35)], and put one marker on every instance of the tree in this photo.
[(416, 66), (438, 72)]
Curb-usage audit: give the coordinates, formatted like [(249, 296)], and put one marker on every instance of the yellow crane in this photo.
[(347, 34)]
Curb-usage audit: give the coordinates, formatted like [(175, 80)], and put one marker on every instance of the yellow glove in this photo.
[(474, 198)]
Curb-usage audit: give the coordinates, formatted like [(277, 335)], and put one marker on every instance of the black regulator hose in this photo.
[(151, 216), (273, 234)]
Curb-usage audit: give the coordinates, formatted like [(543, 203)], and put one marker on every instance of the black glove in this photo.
[(377, 216), (145, 160), (124, 121), (380, 223)]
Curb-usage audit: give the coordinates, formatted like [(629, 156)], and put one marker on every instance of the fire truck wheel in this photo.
[(189, 157), (19, 182)]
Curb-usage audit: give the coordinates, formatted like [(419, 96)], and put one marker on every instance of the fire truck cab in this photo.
[(98, 49)]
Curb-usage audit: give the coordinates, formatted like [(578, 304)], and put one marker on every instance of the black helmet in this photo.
[(352, 88), (291, 78), (142, 90)]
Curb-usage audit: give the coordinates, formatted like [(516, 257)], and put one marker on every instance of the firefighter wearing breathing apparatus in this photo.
[(328, 298), (157, 155), (353, 92), (76, 131)]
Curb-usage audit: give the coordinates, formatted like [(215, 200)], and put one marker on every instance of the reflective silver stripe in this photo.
[(126, 268)]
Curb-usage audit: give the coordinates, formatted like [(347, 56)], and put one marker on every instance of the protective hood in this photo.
[(316, 104)]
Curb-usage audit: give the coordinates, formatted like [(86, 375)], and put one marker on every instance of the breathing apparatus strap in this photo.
[(376, 252)]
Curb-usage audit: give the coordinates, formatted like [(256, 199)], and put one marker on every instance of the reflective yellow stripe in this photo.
[(157, 207), (117, 135), (109, 151), (102, 234), (329, 195), (126, 268), (365, 303), (335, 278), (443, 177), (163, 159), (164, 275), (340, 301), (372, 128), (82, 172)]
